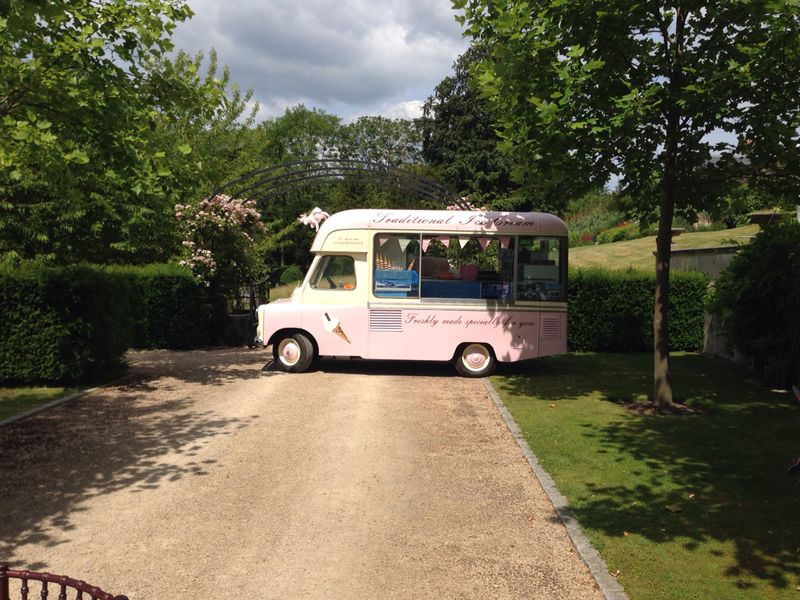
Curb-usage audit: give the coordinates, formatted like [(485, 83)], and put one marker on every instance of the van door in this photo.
[(334, 304)]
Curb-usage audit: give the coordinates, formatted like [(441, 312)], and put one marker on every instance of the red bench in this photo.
[(59, 584)]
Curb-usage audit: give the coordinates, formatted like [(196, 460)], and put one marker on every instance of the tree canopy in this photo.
[(459, 137), (101, 132), (679, 101)]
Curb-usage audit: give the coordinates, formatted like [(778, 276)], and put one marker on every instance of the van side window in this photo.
[(335, 272), (396, 265), (541, 268)]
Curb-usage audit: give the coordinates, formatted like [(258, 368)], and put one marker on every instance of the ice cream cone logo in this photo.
[(333, 326)]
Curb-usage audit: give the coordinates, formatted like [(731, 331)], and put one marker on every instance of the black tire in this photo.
[(293, 353), (474, 360)]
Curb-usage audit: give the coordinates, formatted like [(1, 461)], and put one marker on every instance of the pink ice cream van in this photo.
[(469, 287)]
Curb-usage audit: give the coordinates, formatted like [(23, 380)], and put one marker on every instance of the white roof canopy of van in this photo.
[(442, 221)]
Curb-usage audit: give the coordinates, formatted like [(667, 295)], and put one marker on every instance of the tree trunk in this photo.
[(662, 381)]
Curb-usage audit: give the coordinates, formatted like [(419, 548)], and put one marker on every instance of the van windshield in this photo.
[(334, 273)]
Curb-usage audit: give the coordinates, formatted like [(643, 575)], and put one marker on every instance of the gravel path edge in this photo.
[(609, 586), (49, 405)]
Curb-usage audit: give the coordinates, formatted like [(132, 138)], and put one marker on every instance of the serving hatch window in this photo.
[(396, 265), (467, 266)]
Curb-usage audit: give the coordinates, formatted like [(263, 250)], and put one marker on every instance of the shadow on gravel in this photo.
[(115, 439), (400, 368), (214, 366), (407, 368), (111, 440)]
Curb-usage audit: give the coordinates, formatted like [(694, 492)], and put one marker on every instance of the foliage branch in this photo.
[(679, 101)]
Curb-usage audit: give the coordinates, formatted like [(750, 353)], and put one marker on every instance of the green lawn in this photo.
[(639, 253), (683, 506), (17, 400)]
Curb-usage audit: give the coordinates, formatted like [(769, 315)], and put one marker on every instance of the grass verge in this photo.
[(14, 401), (282, 291), (639, 253), (682, 506)]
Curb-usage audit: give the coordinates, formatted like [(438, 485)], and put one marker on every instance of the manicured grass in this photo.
[(17, 400), (639, 253), (282, 291), (683, 506)]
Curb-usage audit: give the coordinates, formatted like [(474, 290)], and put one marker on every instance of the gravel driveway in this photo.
[(200, 475)]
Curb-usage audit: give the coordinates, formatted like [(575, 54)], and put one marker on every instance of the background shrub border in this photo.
[(67, 324)]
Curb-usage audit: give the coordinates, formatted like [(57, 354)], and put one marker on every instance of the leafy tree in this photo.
[(390, 142), (76, 167), (209, 136), (307, 134), (393, 147), (678, 100), (299, 134), (101, 133), (459, 137)]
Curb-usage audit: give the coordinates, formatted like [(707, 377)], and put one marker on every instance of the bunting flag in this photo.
[(404, 242), (484, 242), (463, 241), (505, 240), (445, 240), (382, 239), (425, 243)]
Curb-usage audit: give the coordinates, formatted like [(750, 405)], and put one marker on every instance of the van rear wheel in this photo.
[(293, 353), (474, 360)]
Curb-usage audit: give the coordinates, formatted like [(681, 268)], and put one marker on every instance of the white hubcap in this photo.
[(474, 357), (289, 352)]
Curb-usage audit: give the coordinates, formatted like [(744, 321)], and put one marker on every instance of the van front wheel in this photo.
[(293, 353), (474, 360)]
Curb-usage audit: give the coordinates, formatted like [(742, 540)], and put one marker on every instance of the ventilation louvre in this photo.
[(385, 320), (551, 327)]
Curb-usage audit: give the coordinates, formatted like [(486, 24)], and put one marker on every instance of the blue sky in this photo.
[(347, 57)]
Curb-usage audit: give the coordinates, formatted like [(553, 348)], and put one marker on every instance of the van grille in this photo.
[(385, 320), (551, 327)]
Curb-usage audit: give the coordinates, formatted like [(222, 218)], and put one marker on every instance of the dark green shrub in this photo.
[(62, 324), (291, 274), (171, 310), (612, 311), (758, 301)]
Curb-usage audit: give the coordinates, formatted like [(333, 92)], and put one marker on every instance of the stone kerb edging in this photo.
[(609, 586)]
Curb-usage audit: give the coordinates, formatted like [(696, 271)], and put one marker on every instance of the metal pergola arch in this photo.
[(265, 184)]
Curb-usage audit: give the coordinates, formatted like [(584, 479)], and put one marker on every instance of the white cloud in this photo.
[(350, 57)]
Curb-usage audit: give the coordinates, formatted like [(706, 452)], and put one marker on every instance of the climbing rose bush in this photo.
[(220, 236)]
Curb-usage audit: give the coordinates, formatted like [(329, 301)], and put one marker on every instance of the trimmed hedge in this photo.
[(612, 311), (67, 324), (170, 310), (62, 324)]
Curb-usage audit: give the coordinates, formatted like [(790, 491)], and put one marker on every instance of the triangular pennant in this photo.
[(463, 241), (425, 243), (505, 240), (404, 242), (484, 242), (382, 239), (445, 240)]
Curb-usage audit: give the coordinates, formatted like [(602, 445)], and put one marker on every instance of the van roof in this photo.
[(442, 221)]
